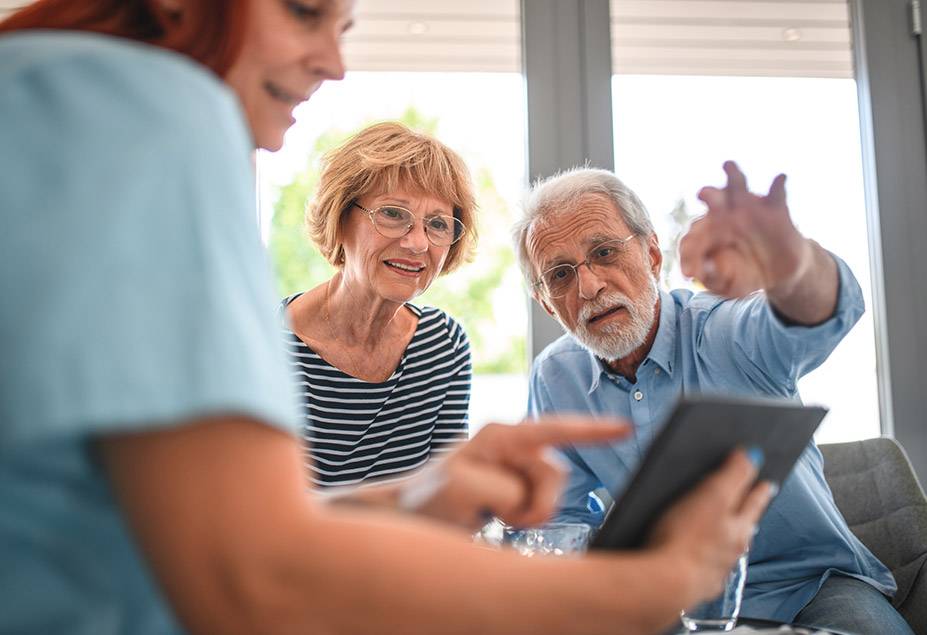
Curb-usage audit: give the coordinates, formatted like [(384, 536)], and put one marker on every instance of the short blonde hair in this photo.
[(381, 158)]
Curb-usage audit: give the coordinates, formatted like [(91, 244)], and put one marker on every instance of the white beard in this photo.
[(614, 341)]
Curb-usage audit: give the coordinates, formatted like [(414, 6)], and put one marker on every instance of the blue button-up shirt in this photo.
[(705, 344)]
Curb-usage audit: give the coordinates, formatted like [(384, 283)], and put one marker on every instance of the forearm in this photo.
[(220, 511), (810, 297), (368, 572)]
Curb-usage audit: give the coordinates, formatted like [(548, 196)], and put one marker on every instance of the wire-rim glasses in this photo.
[(559, 280), (395, 221)]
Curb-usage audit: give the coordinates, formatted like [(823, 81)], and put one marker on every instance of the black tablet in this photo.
[(700, 434)]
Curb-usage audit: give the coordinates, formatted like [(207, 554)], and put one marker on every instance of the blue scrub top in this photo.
[(136, 296)]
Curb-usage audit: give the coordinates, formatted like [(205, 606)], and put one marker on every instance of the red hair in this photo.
[(209, 31)]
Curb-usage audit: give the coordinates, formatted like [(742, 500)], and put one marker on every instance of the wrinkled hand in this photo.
[(505, 471), (744, 242), (703, 534)]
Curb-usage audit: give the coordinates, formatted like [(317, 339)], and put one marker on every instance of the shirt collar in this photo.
[(596, 371), (663, 351)]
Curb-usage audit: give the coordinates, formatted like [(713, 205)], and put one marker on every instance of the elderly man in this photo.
[(777, 305)]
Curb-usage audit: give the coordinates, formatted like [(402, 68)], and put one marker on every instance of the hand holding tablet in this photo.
[(700, 435)]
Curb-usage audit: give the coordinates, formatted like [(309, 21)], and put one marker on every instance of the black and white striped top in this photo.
[(358, 430)]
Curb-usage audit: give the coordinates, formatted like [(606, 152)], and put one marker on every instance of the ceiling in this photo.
[(797, 38)]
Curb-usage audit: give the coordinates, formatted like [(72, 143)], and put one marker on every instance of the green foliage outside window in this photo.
[(469, 294)]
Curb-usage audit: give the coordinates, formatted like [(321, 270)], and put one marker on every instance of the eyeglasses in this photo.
[(559, 280), (393, 221)]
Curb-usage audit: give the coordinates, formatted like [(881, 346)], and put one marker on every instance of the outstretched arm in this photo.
[(219, 509), (746, 243)]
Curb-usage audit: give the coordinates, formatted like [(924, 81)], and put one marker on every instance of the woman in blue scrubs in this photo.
[(150, 476)]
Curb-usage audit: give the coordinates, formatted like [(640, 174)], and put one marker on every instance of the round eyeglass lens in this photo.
[(395, 222), (559, 280), (444, 230)]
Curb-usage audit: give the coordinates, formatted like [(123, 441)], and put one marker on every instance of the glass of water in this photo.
[(721, 613), (554, 539)]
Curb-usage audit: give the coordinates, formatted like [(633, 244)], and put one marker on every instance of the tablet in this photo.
[(700, 434)]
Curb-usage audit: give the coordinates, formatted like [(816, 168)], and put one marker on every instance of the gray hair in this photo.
[(562, 192)]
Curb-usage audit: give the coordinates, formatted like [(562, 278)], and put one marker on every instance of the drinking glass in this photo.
[(554, 539), (719, 614)]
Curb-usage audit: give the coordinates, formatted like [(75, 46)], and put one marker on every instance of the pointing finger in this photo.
[(567, 429)]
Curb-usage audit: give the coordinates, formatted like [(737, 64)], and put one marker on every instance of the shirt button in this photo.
[(638, 395), (656, 372)]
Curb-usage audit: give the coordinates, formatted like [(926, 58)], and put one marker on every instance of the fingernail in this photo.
[(773, 490), (755, 454)]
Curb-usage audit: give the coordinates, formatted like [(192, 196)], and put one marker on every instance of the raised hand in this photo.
[(745, 242)]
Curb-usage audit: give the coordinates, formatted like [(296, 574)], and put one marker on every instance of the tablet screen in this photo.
[(700, 434)]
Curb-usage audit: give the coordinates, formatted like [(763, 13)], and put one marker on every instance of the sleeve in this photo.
[(452, 425), (575, 504), (748, 337), (141, 293)]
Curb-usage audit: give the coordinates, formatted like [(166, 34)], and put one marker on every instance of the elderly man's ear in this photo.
[(656, 255), (540, 300)]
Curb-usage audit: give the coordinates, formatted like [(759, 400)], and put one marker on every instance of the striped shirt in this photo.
[(357, 430)]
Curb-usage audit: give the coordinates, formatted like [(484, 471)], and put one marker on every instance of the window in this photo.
[(770, 85)]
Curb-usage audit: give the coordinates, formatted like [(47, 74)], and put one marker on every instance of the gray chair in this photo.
[(878, 493)]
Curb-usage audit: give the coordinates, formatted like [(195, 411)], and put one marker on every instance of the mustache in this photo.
[(611, 301)]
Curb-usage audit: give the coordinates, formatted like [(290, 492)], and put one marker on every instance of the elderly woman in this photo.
[(385, 383)]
